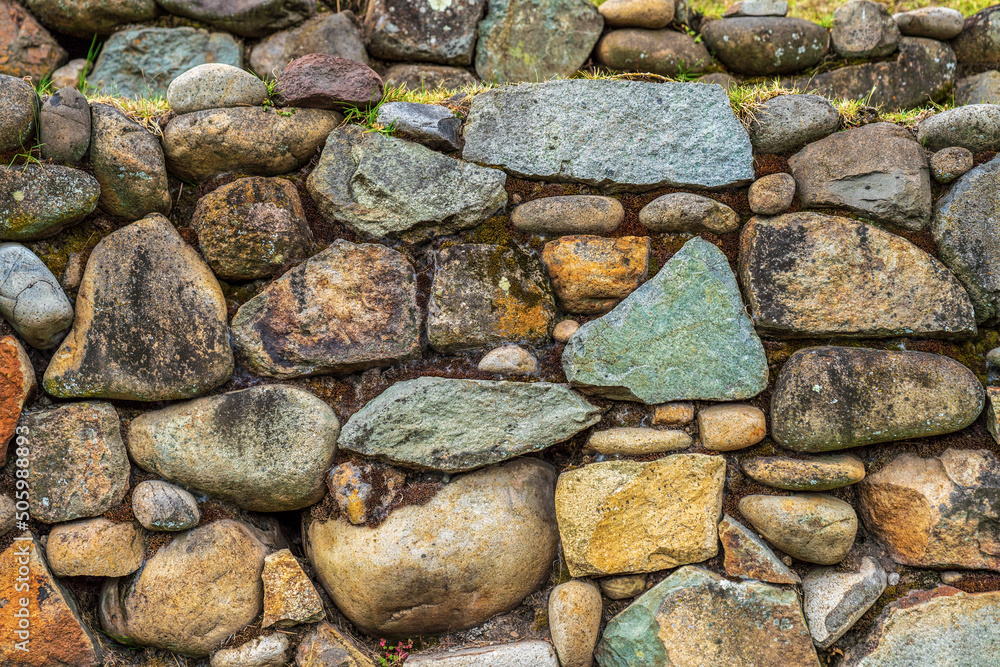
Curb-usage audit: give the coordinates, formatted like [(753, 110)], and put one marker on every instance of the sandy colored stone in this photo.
[(623, 587), (17, 386), (637, 441), (637, 13), (747, 557), (159, 505), (8, 514), (150, 321), (942, 23), (214, 86), (69, 74), (668, 414), (289, 596), (193, 594), (564, 330), (477, 548), (266, 651), (816, 473), (814, 527), (345, 309), (772, 194), (327, 645), (512, 359), (626, 517), (592, 274), (570, 214), (730, 426), (56, 636), (96, 548), (77, 465), (575, 621), (936, 512), (364, 492), (686, 212)]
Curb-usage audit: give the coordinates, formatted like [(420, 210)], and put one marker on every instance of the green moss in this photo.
[(494, 231), (78, 239)]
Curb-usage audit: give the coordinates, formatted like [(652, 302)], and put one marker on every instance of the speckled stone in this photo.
[(815, 528), (747, 557), (637, 441), (816, 473)]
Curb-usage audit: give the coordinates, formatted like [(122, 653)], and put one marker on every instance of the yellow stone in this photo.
[(289, 596)]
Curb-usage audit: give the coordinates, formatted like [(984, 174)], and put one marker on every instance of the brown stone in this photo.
[(424, 30), (651, 14), (748, 557), (663, 52), (364, 491), (571, 214), (55, 634), (816, 473), (96, 548), (350, 307), (508, 360), (17, 386), (950, 163), (289, 597), (333, 33), (320, 81), (575, 621), (26, 48), (637, 441), (686, 212), (936, 512), (564, 330), (328, 646), (731, 426), (592, 274), (812, 527), (766, 45), (772, 194), (623, 587), (418, 76), (668, 414)]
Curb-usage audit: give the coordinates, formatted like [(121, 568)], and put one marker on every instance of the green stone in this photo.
[(683, 335)]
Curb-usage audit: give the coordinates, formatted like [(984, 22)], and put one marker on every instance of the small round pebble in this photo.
[(509, 359), (993, 356), (893, 578), (950, 163), (565, 330), (624, 587), (725, 428), (162, 506), (575, 621), (772, 194)]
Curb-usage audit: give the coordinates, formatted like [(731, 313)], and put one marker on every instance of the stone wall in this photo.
[(583, 371)]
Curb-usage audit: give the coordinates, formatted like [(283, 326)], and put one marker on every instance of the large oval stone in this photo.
[(979, 42), (813, 527), (477, 548), (36, 201), (663, 52), (265, 448), (759, 46), (828, 398), (84, 18)]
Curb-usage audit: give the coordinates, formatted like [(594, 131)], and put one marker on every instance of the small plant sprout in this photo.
[(393, 655)]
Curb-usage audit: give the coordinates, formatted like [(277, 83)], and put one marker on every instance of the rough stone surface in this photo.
[(637, 441), (772, 194), (950, 163), (127, 160), (979, 42), (18, 104), (249, 140), (673, 413), (17, 387), (664, 52), (623, 587), (429, 124), (326, 646), (728, 427), (695, 617), (864, 29), (38, 201), (834, 601), (27, 48), (454, 425), (333, 33), (534, 652), (249, 18), (143, 61), (941, 23), (77, 462), (653, 347), (626, 134), (57, 636), (809, 274), (265, 651), (747, 557), (150, 321), (320, 81), (688, 213), (575, 621), (512, 359), (252, 228), (424, 30), (31, 299), (477, 548), (214, 86), (813, 527), (652, 14), (383, 186), (95, 548), (69, 74), (527, 40), (350, 307), (964, 226), (569, 214), (484, 295), (162, 506), (876, 170), (828, 398), (592, 274), (975, 127), (289, 597), (265, 449), (923, 70), (625, 517), (417, 76), (936, 512), (193, 593), (816, 473), (84, 18), (64, 126), (978, 89), (761, 46), (8, 514), (789, 122)]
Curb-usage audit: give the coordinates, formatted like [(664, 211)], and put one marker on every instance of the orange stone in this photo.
[(592, 274), (17, 384)]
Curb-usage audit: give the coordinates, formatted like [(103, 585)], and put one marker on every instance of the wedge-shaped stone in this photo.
[(266, 448), (834, 600), (289, 596), (382, 186), (626, 134), (682, 335), (150, 321), (747, 557), (828, 398), (942, 511), (808, 274), (345, 309), (624, 517), (454, 425), (695, 618)]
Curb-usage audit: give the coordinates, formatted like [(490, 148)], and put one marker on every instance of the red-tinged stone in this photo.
[(17, 384), (26, 48), (320, 81), (56, 637)]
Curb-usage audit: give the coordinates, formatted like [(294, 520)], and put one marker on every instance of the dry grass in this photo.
[(821, 11), (147, 111)]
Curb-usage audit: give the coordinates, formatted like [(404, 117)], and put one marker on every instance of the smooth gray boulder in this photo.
[(628, 135), (214, 86), (31, 299), (249, 18), (788, 122), (766, 45), (864, 29), (941, 23), (456, 425), (974, 126), (429, 124)]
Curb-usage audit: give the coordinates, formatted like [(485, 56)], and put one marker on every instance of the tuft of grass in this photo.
[(746, 99), (147, 111), (44, 87)]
